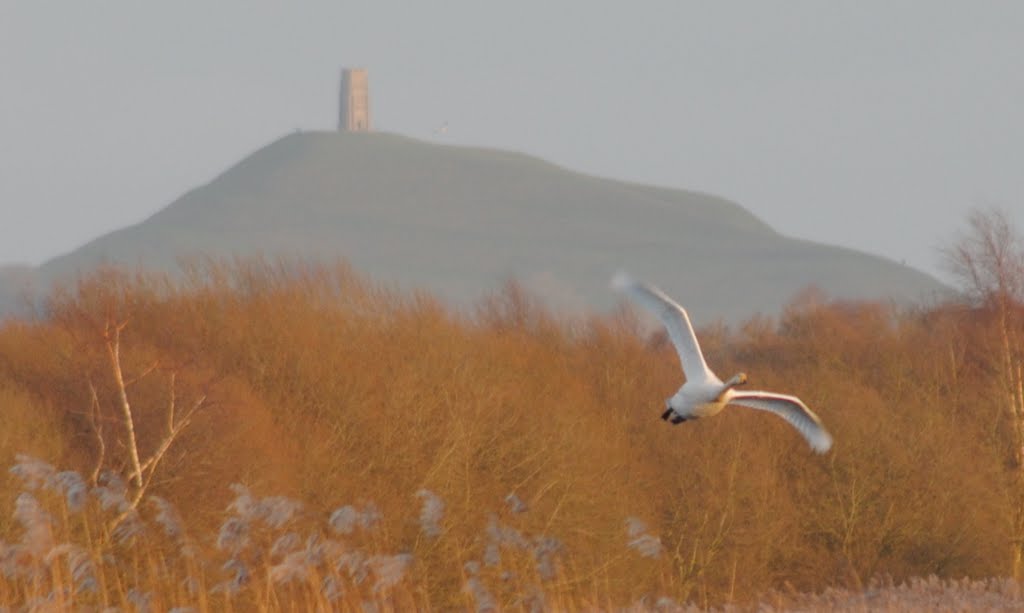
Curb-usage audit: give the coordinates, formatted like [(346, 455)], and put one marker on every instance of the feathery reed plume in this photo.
[(33, 472), (646, 545), (534, 601), (83, 570), (277, 511), (331, 588), (38, 537), (300, 564), (111, 491), (239, 580), (389, 569), (274, 511), (370, 516), (168, 517), (665, 603), (70, 485), (545, 549), (345, 520), (431, 513), (318, 549), (129, 528), (191, 585), (143, 601), (9, 560), (49, 602), (233, 536), (285, 544), (483, 599), (500, 535), (515, 504), (294, 567), (492, 554), (355, 564), (245, 505)]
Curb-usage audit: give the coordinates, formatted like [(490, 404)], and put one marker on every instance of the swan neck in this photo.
[(739, 379)]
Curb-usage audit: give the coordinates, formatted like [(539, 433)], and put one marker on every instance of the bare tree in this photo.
[(144, 468), (143, 457), (989, 262), (988, 259)]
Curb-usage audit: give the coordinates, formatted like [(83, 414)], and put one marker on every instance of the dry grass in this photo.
[(329, 391)]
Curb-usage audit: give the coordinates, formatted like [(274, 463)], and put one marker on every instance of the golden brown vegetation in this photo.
[(318, 385)]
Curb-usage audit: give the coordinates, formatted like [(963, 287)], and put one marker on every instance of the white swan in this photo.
[(704, 394)]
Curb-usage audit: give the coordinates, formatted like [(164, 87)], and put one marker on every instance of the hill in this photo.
[(459, 221)]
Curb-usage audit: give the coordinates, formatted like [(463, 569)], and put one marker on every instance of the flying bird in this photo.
[(704, 394)]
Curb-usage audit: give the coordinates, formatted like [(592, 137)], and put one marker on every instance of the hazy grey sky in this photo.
[(870, 124)]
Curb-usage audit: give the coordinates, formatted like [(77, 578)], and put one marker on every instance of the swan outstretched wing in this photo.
[(675, 320), (792, 410)]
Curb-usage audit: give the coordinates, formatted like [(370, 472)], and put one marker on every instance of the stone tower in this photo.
[(354, 107)]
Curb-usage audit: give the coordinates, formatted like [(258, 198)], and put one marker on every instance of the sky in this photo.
[(870, 124)]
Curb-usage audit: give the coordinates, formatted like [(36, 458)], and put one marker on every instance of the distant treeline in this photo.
[(311, 383)]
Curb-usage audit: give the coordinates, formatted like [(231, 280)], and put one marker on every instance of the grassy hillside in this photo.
[(342, 409), (459, 221)]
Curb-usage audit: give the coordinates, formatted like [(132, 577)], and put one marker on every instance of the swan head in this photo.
[(738, 379)]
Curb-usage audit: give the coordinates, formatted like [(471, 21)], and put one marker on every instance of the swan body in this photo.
[(704, 394)]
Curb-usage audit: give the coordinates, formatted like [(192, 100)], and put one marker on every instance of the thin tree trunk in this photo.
[(1015, 408), (113, 350)]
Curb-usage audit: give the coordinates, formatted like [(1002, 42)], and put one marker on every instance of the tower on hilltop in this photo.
[(354, 107)]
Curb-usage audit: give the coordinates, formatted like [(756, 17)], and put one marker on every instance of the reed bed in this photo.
[(302, 438)]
